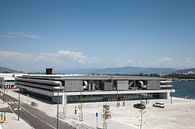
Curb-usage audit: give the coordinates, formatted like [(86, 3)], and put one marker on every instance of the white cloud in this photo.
[(19, 34), (60, 59), (73, 59), (188, 63), (76, 56), (10, 54), (31, 36), (131, 61), (6, 36), (188, 59), (17, 60), (165, 59), (48, 58)]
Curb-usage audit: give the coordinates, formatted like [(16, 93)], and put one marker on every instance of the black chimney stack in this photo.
[(49, 71)]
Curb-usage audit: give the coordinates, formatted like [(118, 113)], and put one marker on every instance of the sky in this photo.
[(70, 34)]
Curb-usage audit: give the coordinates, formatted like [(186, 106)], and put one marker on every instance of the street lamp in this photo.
[(65, 101), (81, 108), (3, 94), (171, 96), (142, 112), (58, 90), (18, 105), (57, 110)]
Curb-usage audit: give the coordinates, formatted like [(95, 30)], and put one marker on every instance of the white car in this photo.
[(159, 104)]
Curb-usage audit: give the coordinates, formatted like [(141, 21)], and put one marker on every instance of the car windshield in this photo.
[(160, 103)]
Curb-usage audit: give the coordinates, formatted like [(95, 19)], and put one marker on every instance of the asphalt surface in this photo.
[(5, 110), (34, 117)]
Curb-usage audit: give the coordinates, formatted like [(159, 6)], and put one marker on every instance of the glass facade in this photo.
[(108, 97)]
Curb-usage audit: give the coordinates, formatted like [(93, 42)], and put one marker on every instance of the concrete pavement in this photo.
[(179, 115), (34, 117)]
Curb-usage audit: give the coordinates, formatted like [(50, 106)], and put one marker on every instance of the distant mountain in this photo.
[(7, 70), (117, 70), (120, 70), (186, 70)]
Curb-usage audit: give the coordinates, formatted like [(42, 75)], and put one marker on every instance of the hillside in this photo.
[(186, 70), (6, 70), (119, 70)]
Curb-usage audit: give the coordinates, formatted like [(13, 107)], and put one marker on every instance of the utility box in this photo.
[(153, 85), (73, 85), (122, 85)]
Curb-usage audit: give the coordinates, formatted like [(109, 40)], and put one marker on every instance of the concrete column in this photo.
[(93, 86), (89, 86), (168, 95), (134, 83)]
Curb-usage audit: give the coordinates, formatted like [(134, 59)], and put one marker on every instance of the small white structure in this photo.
[(7, 80)]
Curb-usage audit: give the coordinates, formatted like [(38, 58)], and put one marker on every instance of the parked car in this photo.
[(139, 105), (159, 104)]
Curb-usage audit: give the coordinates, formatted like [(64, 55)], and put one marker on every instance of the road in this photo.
[(34, 117)]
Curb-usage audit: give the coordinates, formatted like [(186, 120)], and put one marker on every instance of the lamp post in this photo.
[(142, 112), (18, 105), (64, 101), (81, 108), (58, 90), (141, 118), (117, 98), (3, 93), (171, 96), (57, 110)]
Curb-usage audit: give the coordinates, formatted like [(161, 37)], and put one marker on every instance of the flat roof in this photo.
[(89, 77)]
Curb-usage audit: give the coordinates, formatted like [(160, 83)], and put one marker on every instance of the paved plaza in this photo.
[(179, 115)]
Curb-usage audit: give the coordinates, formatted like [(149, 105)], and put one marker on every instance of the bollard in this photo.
[(4, 116), (123, 103), (75, 110)]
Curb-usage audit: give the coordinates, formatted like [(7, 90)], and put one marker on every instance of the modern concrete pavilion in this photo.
[(94, 88)]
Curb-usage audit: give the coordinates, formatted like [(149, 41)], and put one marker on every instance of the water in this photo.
[(184, 88)]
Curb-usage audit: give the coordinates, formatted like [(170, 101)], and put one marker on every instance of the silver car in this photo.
[(159, 104)]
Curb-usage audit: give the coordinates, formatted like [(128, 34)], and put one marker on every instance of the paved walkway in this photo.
[(36, 118)]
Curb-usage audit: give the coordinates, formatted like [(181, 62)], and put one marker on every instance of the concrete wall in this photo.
[(73, 85), (153, 85), (122, 85), (107, 85)]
